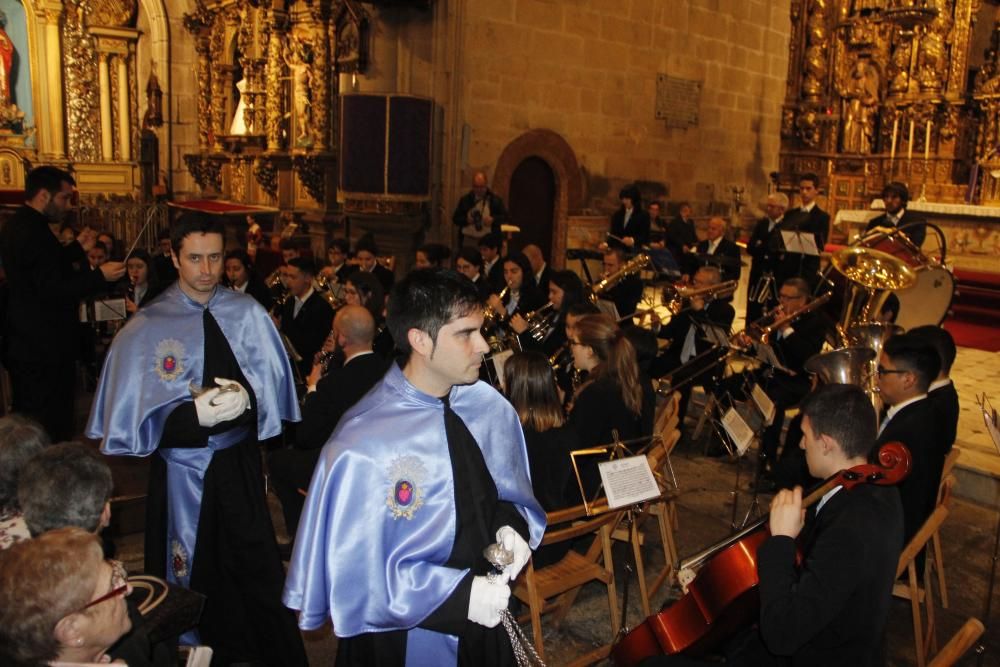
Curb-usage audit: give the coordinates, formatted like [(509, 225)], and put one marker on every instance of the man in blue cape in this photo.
[(427, 470), (199, 376)]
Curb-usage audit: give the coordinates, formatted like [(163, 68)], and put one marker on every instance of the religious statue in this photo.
[(899, 69), (933, 54), (298, 58), (860, 104), (239, 125), (6, 62), (816, 53)]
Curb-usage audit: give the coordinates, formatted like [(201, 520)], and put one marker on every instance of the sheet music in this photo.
[(802, 243), (499, 359), (738, 430), (628, 481), (764, 403), (990, 419), (109, 310), (716, 335), (766, 354)]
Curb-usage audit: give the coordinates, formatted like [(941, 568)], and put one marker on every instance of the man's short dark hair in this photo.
[(811, 177), (471, 256), (340, 244), (366, 243), (20, 440), (194, 223), (799, 284), (916, 355), (303, 264), (241, 255), (843, 412), (940, 339), (898, 189), (428, 299), (65, 485), (45, 178), (494, 241)]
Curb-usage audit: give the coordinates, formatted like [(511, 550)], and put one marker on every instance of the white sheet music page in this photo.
[(803, 243), (738, 430), (628, 481), (764, 403)]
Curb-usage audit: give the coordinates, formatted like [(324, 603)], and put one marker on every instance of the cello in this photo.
[(722, 597)]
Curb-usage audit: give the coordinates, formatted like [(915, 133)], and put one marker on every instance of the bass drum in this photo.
[(928, 301)]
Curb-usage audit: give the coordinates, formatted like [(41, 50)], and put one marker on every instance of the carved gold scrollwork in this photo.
[(311, 172), (266, 173), (207, 172), (818, 41), (83, 122), (112, 13), (272, 80)]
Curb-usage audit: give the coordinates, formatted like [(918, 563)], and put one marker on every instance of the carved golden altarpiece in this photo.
[(267, 84)]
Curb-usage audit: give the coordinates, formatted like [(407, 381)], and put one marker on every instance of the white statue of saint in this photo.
[(239, 126)]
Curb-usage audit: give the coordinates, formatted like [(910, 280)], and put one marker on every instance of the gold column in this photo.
[(104, 81), (51, 15), (273, 83), (124, 115), (322, 74)]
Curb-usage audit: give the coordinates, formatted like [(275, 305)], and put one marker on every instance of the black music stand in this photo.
[(727, 427)]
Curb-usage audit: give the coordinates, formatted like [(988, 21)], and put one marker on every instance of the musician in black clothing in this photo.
[(241, 277), (896, 196), (682, 239), (763, 249), (469, 263), (685, 333), (522, 294), (941, 391), (305, 315), (163, 262), (565, 290), (657, 225), (629, 224), (716, 249), (808, 218), (489, 249), (338, 268), (627, 292), (366, 252)]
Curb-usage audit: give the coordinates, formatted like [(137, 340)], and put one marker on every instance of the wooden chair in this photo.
[(958, 644), (934, 554), (537, 588), (924, 642)]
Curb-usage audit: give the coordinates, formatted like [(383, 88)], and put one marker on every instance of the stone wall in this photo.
[(587, 70)]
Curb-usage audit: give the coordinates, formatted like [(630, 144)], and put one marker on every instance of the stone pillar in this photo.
[(124, 111), (104, 82)]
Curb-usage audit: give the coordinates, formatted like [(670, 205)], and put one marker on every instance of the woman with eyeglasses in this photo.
[(61, 602), (615, 397)]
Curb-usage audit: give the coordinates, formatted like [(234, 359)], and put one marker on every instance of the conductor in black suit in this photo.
[(305, 315), (826, 572), (941, 393), (327, 399), (716, 249), (630, 223), (906, 370), (896, 197), (807, 218)]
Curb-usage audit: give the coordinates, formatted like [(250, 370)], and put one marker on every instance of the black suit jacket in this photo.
[(638, 228), (809, 333), (494, 277), (945, 402), (335, 393), (625, 295), (919, 427), (46, 281), (916, 233), (497, 211), (717, 312), (307, 331), (543, 282), (833, 609), (797, 265), (726, 257), (761, 249)]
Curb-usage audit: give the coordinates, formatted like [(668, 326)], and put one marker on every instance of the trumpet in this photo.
[(491, 318), (760, 331), (330, 290), (634, 265), (541, 322), (682, 295)]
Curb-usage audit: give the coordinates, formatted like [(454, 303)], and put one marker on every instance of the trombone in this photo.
[(683, 295), (760, 331)]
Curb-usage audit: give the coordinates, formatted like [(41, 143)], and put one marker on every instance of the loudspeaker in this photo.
[(385, 147)]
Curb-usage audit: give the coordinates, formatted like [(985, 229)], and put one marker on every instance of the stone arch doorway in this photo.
[(531, 200), (551, 149)]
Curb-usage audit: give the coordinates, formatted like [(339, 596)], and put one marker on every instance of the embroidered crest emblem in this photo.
[(178, 559), (406, 491), (169, 354)]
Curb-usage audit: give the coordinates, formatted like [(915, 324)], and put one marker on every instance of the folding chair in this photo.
[(935, 558), (912, 591), (959, 643)]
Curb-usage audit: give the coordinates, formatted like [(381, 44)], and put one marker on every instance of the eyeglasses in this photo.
[(882, 370), (119, 584)]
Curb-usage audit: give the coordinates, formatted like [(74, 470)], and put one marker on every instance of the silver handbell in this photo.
[(197, 390), (525, 654), (499, 557)]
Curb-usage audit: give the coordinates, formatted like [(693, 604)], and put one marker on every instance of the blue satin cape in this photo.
[(369, 555), (146, 375)]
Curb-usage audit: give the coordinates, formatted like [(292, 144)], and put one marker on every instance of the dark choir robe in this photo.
[(479, 514), (236, 559), (308, 330), (833, 609), (945, 401), (919, 427), (916, 225), (637, 227), (726, 257)]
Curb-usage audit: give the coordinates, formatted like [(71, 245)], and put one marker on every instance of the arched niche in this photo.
[(557, 153)]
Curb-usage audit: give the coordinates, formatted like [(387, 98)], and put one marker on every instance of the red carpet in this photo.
[(980, 333)]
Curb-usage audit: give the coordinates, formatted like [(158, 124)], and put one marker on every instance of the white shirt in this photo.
[(356, 355), (628, 216), (488, 266), (538, 276), (891, 412), (937, 384), (771, 224), (299, 302), (810, 207), (826, 497), (139, 292), (712, 245), (242, 288), (894, 219)]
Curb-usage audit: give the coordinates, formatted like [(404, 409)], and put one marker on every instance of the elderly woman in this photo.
[(20, 440), (60, 601)]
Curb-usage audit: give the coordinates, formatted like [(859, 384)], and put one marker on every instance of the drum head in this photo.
[(928, 301)]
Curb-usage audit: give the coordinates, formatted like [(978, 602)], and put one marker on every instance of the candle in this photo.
[(895, 135), (909, 146), (927, 143)]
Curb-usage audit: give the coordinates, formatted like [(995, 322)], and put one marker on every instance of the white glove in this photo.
[(216, 406), (244, 396), (486, 601), (511, 540)]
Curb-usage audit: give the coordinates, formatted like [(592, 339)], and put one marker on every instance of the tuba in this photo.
[(634, 265), (872, 276)]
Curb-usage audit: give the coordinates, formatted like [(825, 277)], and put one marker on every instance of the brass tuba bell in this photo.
[(872, 276)]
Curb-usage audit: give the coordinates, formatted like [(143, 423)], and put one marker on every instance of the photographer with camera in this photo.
[(479, 211)]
